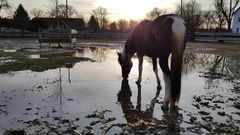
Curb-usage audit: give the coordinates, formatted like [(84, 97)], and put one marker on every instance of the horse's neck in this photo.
[(126, 54)]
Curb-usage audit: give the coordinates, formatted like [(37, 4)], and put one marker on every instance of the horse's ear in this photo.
[(118, 53)]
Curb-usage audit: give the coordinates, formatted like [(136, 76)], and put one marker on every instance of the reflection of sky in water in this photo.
[(34, 56), (94, 86), (10, 50)]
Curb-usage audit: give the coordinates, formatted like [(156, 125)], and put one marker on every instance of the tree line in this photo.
[(218, 18), (98, 21)]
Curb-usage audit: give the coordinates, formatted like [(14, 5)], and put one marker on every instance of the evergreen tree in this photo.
[(21, 19), (93, 24), (5, 22), (113, 27)]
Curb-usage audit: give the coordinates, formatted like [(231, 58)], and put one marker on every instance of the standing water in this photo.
[(91, 97)]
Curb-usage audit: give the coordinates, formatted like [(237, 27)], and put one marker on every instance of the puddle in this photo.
[(90, 97), (4, 60), (35, 56), (96, 54), (10, 50)]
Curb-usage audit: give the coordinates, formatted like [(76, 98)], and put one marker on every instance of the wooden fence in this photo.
[(216, 37)]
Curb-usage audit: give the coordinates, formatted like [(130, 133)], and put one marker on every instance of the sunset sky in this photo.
[(118, 9)]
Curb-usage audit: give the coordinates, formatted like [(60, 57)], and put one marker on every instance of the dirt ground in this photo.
[(225, 49)]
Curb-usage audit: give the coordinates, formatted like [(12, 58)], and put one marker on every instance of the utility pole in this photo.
[(181, 9), (58, 25), (66, 9), (56, 8), (57, 13)]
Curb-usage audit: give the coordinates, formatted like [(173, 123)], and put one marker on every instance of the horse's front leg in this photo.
[(140, 68), (155, 69)]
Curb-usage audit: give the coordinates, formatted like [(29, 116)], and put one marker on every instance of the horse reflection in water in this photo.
[(158, 39), (168, 125)]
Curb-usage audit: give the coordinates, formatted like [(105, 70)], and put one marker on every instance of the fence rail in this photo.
[(199, 36), (64, 35), (218, 37)]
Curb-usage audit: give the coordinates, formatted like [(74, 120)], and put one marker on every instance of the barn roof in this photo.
[(236, 10)]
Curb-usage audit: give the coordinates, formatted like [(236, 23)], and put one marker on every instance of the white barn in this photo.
[(236, 21)]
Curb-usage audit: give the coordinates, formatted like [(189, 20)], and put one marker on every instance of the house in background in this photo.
[(236, 21)]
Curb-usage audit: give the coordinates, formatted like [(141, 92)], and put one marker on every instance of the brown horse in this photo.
[(158, 39)]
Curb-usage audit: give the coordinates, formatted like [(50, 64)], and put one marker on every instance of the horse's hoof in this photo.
[(138, 82), (165, 106), (159, 87), (173, 106)]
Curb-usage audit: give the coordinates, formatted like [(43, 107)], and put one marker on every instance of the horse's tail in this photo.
[(178, 42)]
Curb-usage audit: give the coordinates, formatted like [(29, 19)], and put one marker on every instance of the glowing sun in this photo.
[(128, 9)]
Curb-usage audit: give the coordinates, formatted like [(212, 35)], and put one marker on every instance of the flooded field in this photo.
[(81, 91)]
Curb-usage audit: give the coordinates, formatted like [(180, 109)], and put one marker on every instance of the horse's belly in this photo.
[(157, 52), (151, 53)]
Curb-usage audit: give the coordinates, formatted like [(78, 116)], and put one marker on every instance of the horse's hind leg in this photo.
[(155, 69), (166, 76), (167, 97), (140, 58)]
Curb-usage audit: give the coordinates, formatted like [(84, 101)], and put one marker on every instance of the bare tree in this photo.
[(219, 19), (192, 14), (132, 24), (213, 19), (36, 13), (113, 27), (72, 12), (93, 24), (101, 15), (122, 25), (227, 8), (208, 19), (53, 11), (4, 5), (154, 13)]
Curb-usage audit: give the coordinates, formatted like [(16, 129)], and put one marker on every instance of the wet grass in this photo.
[(21, 61)]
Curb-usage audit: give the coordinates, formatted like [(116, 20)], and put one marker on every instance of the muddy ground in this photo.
[(80, 91)]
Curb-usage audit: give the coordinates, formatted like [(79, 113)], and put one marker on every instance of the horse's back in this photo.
[(167, 30), (139, 36), (154, 38), (142, 27), (167, 27)]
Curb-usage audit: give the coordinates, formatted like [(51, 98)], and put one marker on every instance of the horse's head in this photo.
[(126, 64)]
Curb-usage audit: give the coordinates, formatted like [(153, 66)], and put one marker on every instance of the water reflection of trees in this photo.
[(97, 54), (211, 66), (59, 93), (143, 121)]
